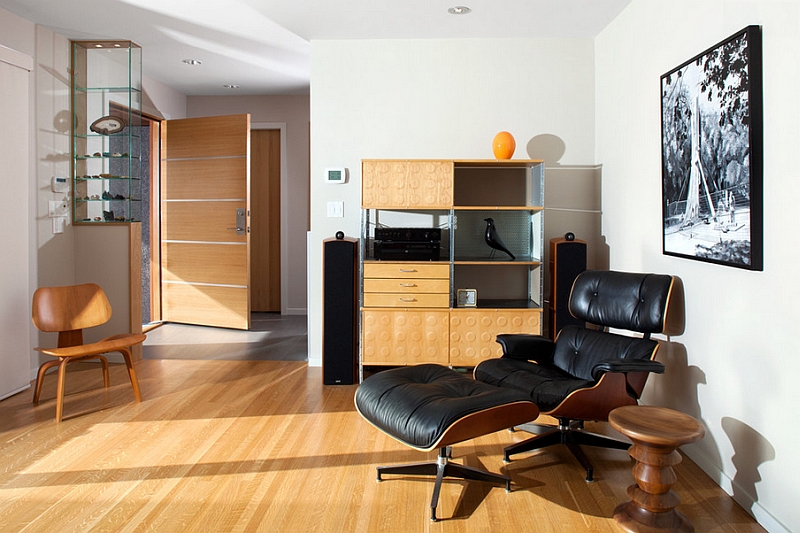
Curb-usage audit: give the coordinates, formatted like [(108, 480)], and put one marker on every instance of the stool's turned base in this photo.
[(656, 432), (430, 407), (443, 468), (634, 519)]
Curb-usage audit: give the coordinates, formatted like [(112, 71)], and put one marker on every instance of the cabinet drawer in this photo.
[(381, 299), (407, 270), (407, 286)]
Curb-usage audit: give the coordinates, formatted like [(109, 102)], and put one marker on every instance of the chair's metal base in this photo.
[(444, 468), (569, 433)]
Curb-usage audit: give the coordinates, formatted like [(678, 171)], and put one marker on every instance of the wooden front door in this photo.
[(205, 246)]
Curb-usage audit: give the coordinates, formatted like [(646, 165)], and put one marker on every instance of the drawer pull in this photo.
[(407, 284), (408, 270), (408, 299)]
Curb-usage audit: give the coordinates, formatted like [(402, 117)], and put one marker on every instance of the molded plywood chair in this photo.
[(586, 373), (68, 311)]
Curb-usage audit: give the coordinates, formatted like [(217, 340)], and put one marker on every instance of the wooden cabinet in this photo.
[(409, 308), (407, 184), (404, 336)]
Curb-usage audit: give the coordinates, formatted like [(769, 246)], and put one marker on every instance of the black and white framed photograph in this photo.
[(712, 154)]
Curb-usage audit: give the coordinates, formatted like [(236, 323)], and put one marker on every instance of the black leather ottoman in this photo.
[(431, 406)]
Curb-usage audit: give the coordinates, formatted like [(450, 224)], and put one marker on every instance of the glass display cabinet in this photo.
[(106, 134)]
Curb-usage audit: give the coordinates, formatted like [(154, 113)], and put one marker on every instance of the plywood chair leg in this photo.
[(37, 390), (62, 375), (126, 353), (104, 362)]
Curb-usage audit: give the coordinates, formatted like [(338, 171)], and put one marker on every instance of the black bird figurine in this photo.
[(494, 240)]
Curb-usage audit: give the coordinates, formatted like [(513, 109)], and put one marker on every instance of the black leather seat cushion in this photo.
[(416, 404), (546, 386)]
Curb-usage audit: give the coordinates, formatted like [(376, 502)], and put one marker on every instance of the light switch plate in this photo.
[(335, 209), (56, 208)]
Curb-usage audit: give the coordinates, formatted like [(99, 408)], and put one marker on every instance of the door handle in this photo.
[(241, 222)]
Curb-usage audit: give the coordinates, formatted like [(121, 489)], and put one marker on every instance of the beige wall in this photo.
[(437, 99), (291, 115), (735, 366)]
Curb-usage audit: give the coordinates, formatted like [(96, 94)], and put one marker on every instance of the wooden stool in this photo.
[(656, 432)]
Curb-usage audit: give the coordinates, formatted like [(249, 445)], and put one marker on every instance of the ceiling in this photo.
[(263, 46)]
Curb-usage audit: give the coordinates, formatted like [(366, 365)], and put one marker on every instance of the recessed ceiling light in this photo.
[(459, 10), (192, 62), (231, 86)]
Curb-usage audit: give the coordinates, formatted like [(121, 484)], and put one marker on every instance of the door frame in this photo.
[(284, 209)]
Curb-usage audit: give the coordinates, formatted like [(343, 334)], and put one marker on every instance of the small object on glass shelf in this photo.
[(467, 297), (108, 216), (503, 145), (107, 125)]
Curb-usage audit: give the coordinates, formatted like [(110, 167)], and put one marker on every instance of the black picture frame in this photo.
[(712, 154)]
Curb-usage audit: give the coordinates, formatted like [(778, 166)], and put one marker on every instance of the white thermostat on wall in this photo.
[(335, 175)]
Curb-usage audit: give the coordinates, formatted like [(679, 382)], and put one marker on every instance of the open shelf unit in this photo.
[(456, 197)]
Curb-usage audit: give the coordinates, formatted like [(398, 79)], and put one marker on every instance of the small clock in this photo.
[(107, 125), (467, 297)]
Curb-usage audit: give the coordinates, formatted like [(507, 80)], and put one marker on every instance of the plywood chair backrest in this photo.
[(68, 310)]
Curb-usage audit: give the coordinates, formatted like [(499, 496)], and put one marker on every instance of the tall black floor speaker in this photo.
[(340, 311), (567, 261)]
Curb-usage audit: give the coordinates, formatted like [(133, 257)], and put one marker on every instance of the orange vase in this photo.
[(503, 145)]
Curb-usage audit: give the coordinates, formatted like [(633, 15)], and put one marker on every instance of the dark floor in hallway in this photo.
[(272, 337)]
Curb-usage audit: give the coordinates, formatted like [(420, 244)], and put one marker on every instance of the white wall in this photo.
[(15, 81), (735, 367), (291, 115), (435, 99)]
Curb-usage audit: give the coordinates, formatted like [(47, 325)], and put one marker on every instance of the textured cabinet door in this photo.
[(407, 184), (473, 332), (404, 337)]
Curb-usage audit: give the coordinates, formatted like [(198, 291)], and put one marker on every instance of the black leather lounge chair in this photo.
[(586, 372)]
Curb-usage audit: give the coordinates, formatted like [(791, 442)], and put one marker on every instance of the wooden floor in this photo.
[(242, 446)]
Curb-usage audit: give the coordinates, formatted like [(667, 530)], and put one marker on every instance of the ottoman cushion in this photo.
[(417, 404)]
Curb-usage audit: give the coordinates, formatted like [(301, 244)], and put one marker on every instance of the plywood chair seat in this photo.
[(68, 311)]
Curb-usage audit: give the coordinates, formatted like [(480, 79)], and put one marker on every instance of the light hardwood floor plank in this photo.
[(263, 446)]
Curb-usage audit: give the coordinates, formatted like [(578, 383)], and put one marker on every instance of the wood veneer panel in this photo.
[(473, 332), (206, 179), (202, 221), (207, 137), (197, 262), (200, 304), (404, 337)]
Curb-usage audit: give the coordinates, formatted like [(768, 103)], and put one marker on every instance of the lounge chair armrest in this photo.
[(527, 347), (625, 365)]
